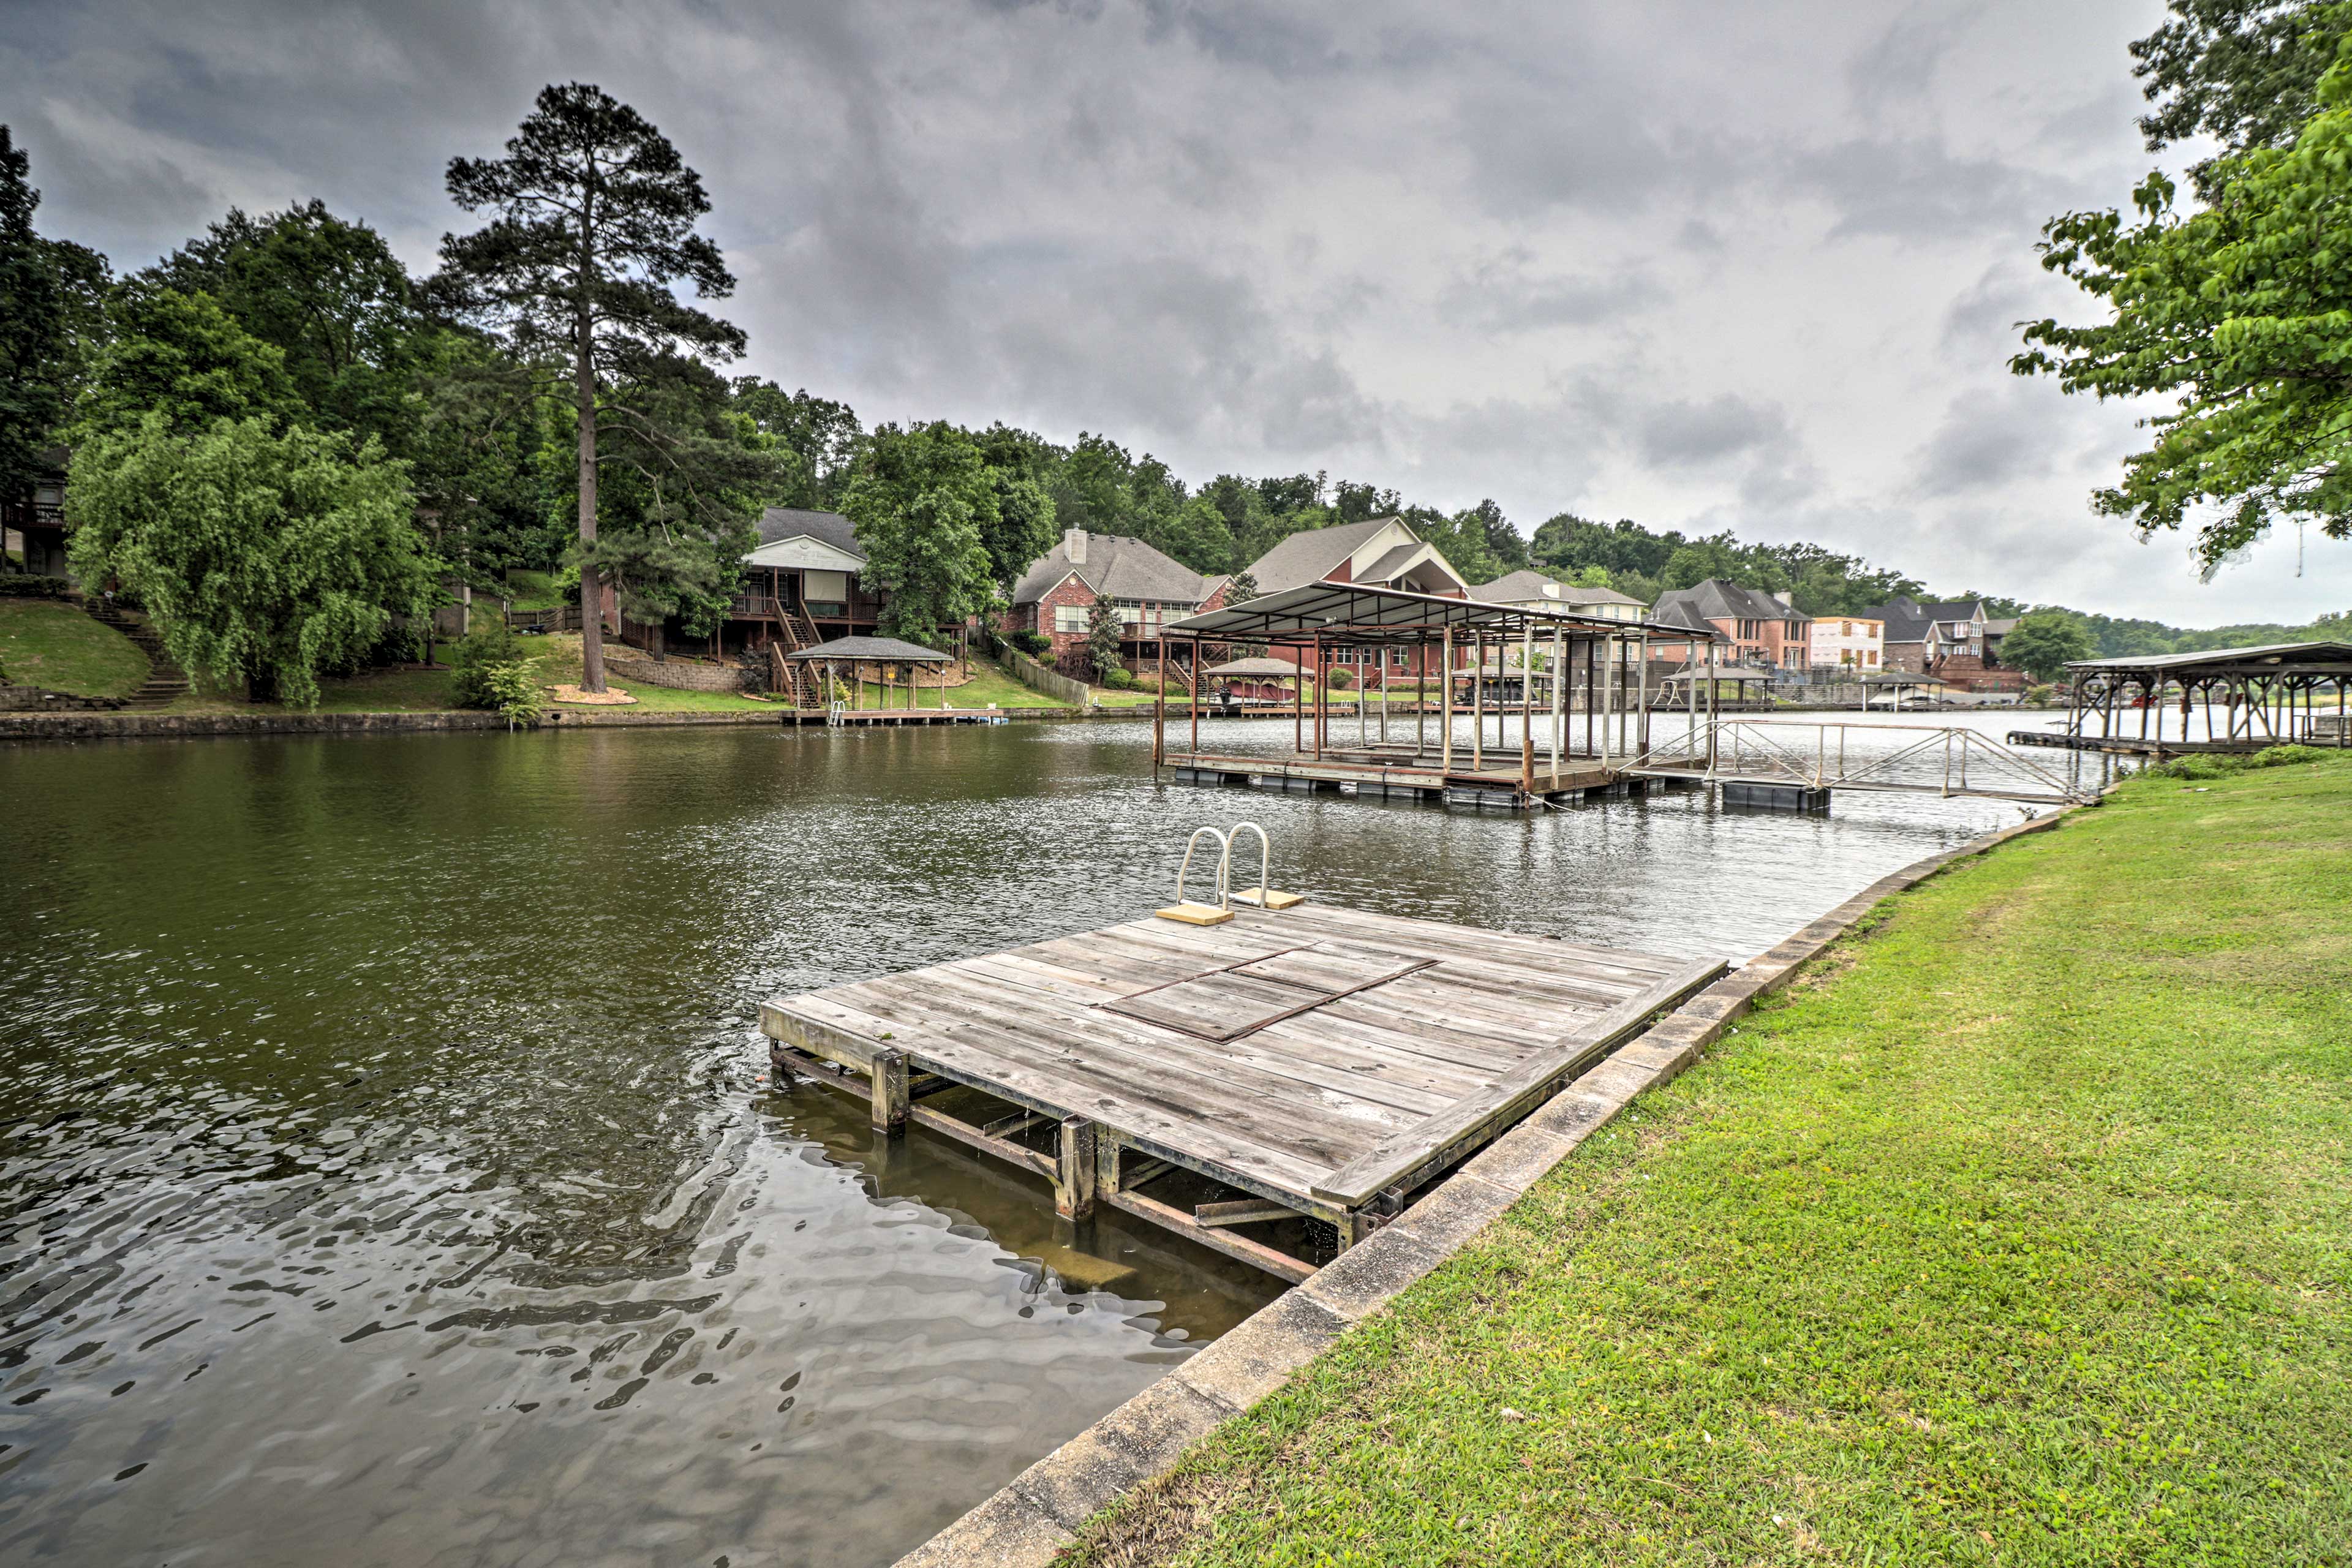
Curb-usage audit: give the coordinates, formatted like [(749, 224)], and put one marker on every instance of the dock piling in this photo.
[(1074, 1183), (890, 1096)]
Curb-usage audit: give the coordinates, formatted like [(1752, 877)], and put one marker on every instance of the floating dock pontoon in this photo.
[(1304, 1061)]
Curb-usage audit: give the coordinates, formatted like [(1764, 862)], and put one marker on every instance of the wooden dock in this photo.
[(1313, 1061), (1398, 774)]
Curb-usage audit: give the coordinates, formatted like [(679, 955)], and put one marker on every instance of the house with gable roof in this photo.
[(801, 584), (1957, 642), (1760, 631), (1057, 595), (1380, 552)]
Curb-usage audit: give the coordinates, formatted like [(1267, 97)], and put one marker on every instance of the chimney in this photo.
[(1073, 545)]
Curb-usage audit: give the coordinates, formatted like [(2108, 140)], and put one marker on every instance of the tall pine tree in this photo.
[(596, 214)]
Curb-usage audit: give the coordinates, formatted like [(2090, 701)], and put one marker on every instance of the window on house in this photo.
[(1070, 618)]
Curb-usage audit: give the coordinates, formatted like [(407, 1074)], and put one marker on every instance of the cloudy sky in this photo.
[(1703, 264)]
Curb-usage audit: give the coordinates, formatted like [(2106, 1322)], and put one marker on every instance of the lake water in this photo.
[(390, 1178)]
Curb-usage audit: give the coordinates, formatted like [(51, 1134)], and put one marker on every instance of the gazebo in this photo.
[(860, 651), (1258, 670)]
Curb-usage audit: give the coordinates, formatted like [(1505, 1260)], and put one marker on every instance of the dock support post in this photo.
[(890, 1092), (1528, 711), (1160, 714), (1074, 1186), (1558, 698), (1478, 701), (1446, 730)]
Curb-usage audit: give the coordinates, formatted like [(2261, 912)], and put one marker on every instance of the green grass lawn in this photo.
[(2018, 1232), (54, 646), (533, 590)]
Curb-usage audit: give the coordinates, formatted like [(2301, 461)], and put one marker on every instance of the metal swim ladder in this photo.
[(1262, 896)]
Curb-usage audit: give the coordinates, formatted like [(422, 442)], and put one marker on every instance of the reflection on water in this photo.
[(390, 1179)]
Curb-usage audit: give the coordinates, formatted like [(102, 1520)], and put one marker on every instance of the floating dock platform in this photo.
[(1310, 1061), (1398, 773)]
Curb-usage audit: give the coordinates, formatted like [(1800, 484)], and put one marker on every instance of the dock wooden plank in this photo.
[(1028, 1075), (1107, 1058), (1316, 1056), (1405, 1153)]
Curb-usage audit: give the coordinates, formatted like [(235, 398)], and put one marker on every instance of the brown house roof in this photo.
[(1115, 567)]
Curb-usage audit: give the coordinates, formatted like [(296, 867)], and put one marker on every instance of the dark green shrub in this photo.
[(14, 586), (1341, 680), (474, 655), (1034, 644), (1118, 679), (2288, 757)]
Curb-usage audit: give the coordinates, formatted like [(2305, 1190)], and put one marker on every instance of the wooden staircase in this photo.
[(165, 682), (787, 677)]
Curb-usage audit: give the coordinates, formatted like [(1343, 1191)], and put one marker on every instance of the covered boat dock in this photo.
[(1522, 747), (2270, 695)]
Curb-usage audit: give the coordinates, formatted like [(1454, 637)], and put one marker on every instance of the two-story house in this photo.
[(1760, 631), (1957, 642), (1848, 644), (1381, 551), (1057, 595)]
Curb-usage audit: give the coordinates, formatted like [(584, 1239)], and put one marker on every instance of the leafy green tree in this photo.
[(921, 500), (686, 476), (265, 556), (1242, 589), (2041, 643), (1105, 631), (596, 214), (184, 358), (483, 492), (1353, 502), (822, 437), (1020, 468), (331, 298), (2244, 72), (2241, 316), (1460, 538), (1504, 543), (49, 294)]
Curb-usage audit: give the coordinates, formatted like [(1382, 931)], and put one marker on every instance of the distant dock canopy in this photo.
[(1346, 646), (2250, 697)]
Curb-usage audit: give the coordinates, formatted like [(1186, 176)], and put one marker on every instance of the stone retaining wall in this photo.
[(683, 675), (33, 700)]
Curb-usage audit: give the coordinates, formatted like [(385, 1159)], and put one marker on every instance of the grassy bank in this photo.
[(2019, 1232), (54, 646)]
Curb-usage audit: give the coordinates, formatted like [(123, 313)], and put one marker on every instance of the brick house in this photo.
[(1383, 552), (1057, 595), (1761, 630), (1955, 642)]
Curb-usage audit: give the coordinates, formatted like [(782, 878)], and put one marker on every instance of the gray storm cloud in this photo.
[(1707, 267)]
